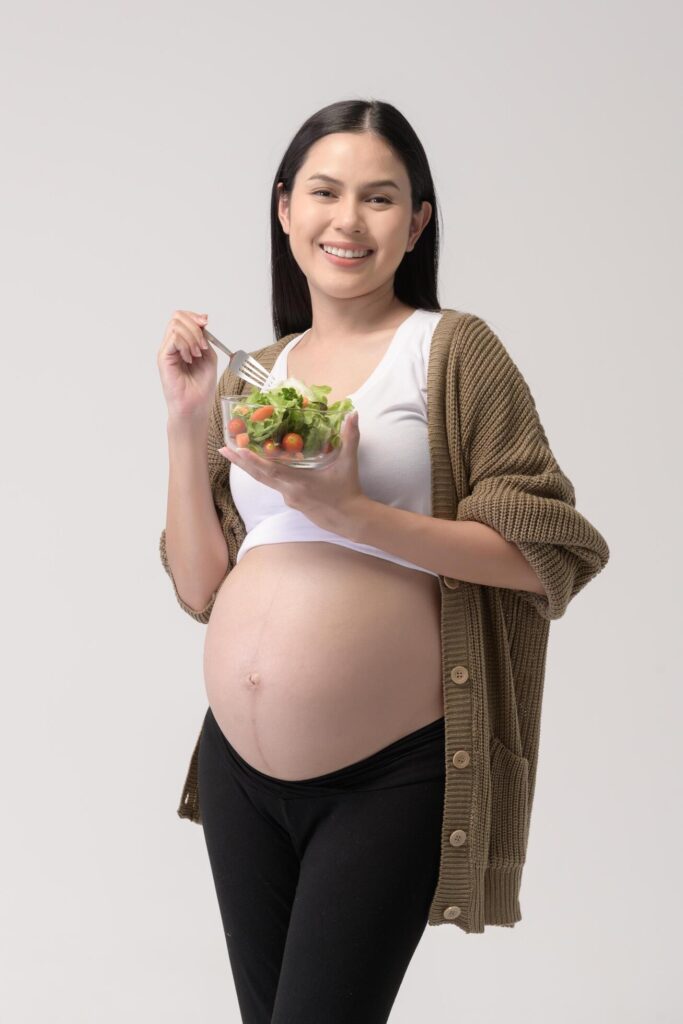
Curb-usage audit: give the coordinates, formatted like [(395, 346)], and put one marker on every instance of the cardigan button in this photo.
[(450, 913), (461, 759), (458, 837), (459, 674), (451, 582)]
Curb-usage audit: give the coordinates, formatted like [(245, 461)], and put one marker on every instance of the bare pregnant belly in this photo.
[(317, 656)]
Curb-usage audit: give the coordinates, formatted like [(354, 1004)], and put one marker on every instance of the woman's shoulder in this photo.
[(451, 323)]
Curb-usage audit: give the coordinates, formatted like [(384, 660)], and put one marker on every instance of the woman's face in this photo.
[(353, 213)]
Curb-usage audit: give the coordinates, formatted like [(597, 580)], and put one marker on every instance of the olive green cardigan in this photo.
[(491, 462)]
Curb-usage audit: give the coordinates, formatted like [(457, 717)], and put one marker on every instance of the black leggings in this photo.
[(324, 884)]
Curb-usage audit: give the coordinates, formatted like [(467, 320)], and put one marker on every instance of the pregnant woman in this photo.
[(352, 766)]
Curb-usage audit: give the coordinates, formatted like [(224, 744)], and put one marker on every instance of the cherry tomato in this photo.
[(270, 448), (292, 442), (241, 440), (262, 413), (305, 402), (236, 426)]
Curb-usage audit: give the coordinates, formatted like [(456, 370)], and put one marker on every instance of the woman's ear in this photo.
[(283, 207)]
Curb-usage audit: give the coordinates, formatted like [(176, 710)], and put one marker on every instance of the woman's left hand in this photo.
[(326, 496)]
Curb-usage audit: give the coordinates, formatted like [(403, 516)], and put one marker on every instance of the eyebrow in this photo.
[(369, 184)]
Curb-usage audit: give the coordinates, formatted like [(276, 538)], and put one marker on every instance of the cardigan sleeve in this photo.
[(219, 477), (516, 485)]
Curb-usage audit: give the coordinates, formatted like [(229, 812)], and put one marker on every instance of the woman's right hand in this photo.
[(187, 367)]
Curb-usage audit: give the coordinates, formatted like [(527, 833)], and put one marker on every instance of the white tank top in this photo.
[(394, 465)]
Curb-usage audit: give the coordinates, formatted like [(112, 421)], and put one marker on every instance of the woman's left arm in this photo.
[(518, 526), (467, 551)]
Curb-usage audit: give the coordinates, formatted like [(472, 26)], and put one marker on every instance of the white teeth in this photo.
[(347, 253)]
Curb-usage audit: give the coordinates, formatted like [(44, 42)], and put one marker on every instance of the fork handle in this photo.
[(214, 341)]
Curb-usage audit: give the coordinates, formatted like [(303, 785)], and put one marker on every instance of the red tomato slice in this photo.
[(262, 413), (236, 426), (292, 442)]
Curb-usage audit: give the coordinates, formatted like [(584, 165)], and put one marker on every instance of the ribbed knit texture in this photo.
[(491, 462)]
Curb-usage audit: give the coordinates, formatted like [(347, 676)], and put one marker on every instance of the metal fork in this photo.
[(243, 364)]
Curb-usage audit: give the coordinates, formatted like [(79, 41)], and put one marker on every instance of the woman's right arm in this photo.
[(193, 547)]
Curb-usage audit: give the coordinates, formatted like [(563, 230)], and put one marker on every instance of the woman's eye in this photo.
[(327, 191)]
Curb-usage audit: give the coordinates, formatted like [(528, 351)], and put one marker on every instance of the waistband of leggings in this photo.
[(417, 757)]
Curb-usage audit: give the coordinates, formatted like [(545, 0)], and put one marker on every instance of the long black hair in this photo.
[(415, 280)]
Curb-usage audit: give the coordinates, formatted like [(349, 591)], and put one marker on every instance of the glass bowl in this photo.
[(301, 433)]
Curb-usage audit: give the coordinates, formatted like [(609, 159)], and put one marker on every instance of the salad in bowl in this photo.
[(292, 423)]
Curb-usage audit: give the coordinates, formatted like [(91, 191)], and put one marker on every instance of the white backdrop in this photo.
[(140, 142)]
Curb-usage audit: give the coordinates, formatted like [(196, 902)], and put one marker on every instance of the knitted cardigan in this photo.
[(491, 462)]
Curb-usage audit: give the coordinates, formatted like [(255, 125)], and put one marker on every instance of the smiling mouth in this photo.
[(346, 259)]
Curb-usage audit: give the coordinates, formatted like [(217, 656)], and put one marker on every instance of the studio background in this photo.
[(140, 144)]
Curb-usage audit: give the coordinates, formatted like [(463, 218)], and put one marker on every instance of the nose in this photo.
[(349, 220)]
